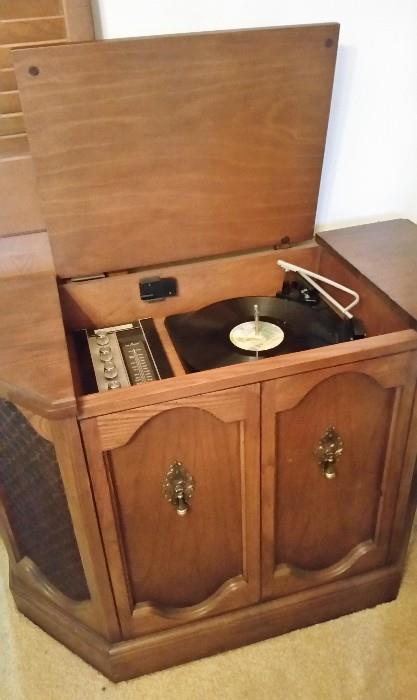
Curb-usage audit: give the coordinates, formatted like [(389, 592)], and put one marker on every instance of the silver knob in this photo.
[(114, 384), (102, 338), (110, 371), (105, 353)]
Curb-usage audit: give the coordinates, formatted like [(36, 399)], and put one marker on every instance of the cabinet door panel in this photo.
[(315, 528), (168, 569)]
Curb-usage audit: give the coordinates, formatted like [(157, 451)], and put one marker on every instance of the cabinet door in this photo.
[(333, 452), (166, 568)]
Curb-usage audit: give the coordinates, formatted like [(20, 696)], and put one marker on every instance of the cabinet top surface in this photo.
[(171, 148), (385, 253), (34, 366)]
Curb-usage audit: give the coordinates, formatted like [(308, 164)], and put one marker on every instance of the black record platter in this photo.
[(249, 328)]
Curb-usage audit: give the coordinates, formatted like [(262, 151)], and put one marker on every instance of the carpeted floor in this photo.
[(368, 655)]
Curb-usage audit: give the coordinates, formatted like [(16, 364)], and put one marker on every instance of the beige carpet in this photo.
[(368, 655)]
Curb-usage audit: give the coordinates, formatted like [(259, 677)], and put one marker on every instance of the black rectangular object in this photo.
[(157, 288)]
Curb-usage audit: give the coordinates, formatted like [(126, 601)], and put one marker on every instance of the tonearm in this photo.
[(309, 276)]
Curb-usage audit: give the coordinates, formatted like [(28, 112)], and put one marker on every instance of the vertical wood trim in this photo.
[(243, 497), (268, 486), (78, 20), (406, 502), (102, 489), (81, 506), (252, 504)]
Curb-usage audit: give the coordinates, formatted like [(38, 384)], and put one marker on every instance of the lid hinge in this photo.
[(86, 278), (285, 242)]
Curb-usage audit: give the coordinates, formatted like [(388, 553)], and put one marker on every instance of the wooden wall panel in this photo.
[(9, 104), (32, 31), (11, 124), (5, 58), (7, 80), (20, 9), (22, 23)]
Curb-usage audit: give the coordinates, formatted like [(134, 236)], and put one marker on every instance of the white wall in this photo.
[(370, 166)]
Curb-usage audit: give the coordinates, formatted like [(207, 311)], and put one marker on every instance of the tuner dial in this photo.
[(114, 384), (110, 371), (102, 338), (105, 353)]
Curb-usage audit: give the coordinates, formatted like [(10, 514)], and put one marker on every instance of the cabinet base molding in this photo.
[(154, 652)]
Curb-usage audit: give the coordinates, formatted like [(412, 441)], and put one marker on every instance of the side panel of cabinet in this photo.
[(317, 529), (167, 569)]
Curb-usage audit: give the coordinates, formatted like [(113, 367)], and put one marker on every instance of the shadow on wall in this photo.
[(341, 98), (98, 25)]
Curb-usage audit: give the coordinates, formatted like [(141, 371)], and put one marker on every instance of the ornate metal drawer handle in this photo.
[(178, 487), (328, 450)]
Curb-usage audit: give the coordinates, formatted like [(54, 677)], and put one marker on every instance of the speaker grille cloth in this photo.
[(35, 503)]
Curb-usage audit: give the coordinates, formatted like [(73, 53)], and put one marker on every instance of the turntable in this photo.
[(238, 464), (300, 317)]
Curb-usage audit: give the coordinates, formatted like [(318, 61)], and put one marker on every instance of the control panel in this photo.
[(120, 356)]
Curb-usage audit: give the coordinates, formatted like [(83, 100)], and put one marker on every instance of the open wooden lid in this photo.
[(170, 148)]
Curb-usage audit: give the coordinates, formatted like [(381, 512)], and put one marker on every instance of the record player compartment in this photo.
[(292, 504), (238, 276), (328, 545)]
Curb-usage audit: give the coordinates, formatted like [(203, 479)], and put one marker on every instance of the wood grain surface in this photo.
[(24, 22), (316, 530), (34, 365), (81, 502), (169, 148), (385, 253), (153, 652), (378, 313), (246, 373), (20, 207), (198, 283), (168, 570)]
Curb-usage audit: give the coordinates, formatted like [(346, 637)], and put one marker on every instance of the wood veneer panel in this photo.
[(23, 22), (128, 659), (34, 365), (180, 569), (350, 504), (385, 253), (199, 283), (170, 148), (20, 208), (14, 145), (358, 507), (68, 445), (246, 373), (377, 312), (201, 557)]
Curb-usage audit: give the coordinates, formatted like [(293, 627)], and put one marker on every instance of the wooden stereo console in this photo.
[(160, 522)]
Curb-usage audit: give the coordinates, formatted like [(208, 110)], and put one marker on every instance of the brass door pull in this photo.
[(178, 488), (328, 450)]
